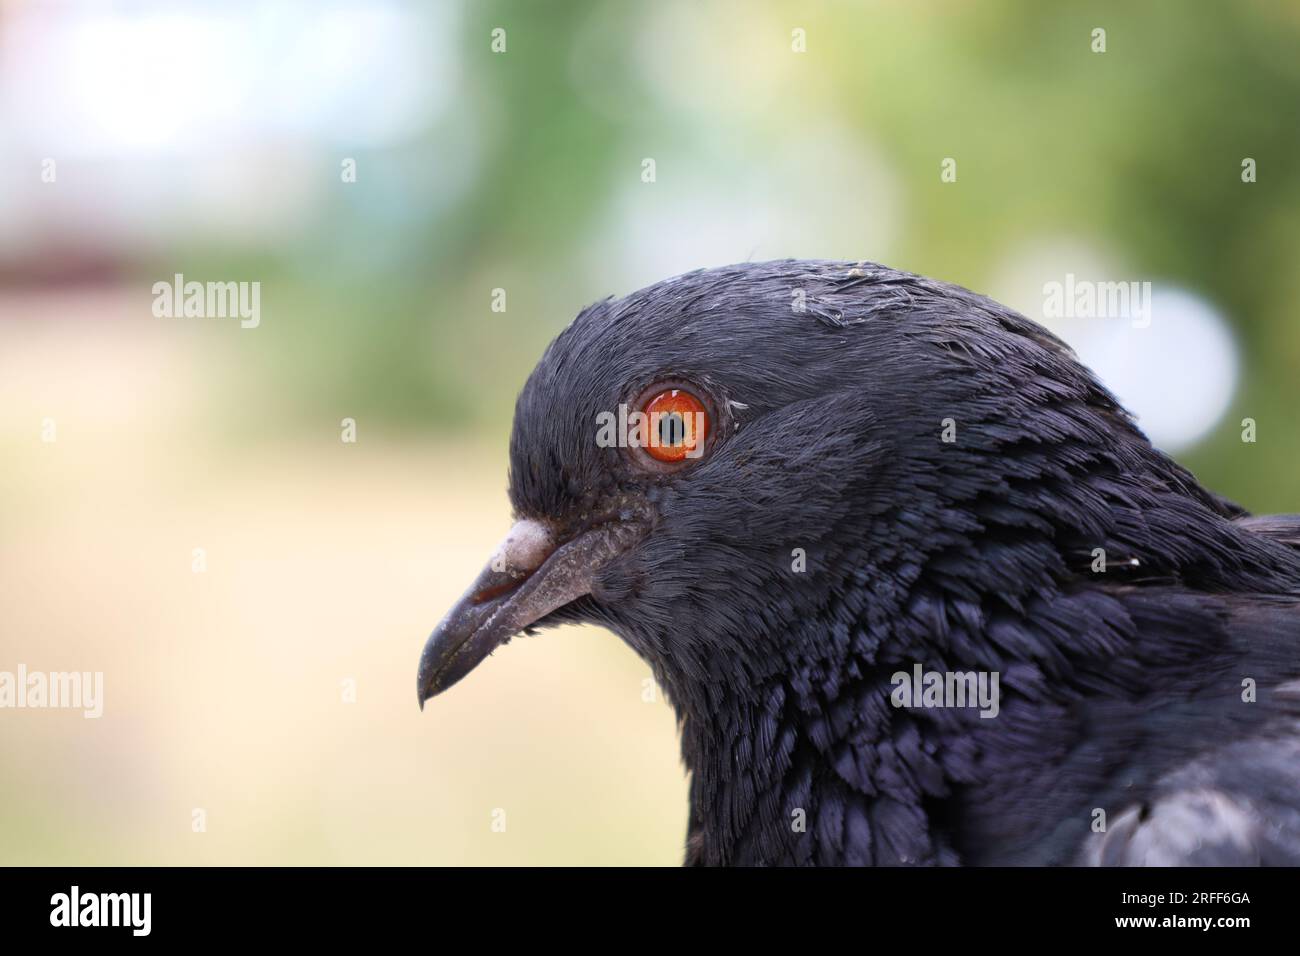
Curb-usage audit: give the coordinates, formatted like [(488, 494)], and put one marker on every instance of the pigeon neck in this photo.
[(778, 779)]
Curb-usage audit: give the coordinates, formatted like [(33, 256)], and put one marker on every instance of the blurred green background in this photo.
[(211, 140)]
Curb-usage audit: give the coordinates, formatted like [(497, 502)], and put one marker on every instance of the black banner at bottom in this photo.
[(94, 905)]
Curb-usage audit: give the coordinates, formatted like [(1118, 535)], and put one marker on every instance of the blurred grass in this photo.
[(326, 562)]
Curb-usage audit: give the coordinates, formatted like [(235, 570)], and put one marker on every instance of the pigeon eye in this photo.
[(678, 424)]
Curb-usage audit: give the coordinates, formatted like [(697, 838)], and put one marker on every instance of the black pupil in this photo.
[(672, 430)]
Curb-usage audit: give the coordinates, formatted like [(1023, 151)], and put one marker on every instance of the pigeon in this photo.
[(917, 587)]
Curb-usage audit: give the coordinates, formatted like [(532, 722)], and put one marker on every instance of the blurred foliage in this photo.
[(385, 300)]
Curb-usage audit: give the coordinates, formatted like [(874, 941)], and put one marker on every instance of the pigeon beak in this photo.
[(531, 574)]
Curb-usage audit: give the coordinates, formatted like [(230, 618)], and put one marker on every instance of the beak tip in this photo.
[(424, 688)]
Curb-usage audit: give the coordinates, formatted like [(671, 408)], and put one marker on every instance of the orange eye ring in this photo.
[(678, 426)]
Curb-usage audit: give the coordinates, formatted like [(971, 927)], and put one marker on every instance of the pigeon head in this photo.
[(782, 482), (703, 556), (844, 411)]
